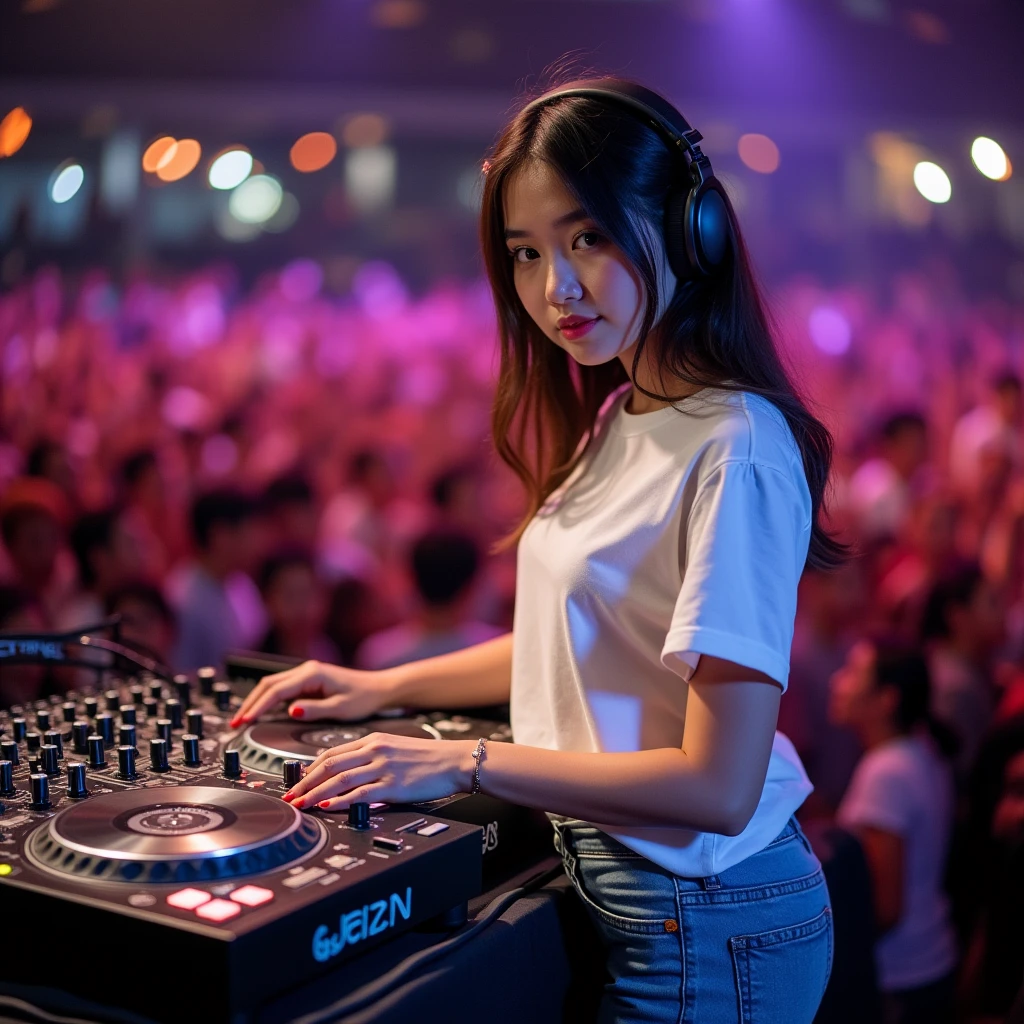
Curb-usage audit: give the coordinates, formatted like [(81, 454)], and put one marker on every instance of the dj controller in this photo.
[(139, 834)]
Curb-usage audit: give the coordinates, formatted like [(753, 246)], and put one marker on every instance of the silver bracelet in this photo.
[(478, 756)]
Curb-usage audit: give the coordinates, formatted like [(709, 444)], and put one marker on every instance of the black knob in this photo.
[(359, 815), (292, 772), (96, 756), (150, 707), (76, 781), (190, 750), (222, 696), (90, 707), (138, 694), (69, 712), (181, 687), (232, 764), (9, 751), (163, 730), (34, 741), (174, 711), (158, 755), (43, 721), (40, 791), (112, 699), (195, 723), (35, 764), (156, 689), (126, 763), (50, 763), (18, 729), (128, 714), (54, 737), (80, 737), (104, 726), (207, 676), (6, 778), (126, 736)]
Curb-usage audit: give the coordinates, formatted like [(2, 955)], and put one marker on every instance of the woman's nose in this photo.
[(562, 283)]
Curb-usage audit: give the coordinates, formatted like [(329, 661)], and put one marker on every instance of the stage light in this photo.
[(759, 153), (829, 330), (397, 13), (14, 129), (365, 130), (257, 199), (180, 160), (932, 182), (313, 152), (156, 152), (66, 182), (989, 158), (230, 169), (370, 175)]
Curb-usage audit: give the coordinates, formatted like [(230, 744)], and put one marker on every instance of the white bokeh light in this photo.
[(257, 199), (989, 158), (932, 182), (66, 183), (230, 169)]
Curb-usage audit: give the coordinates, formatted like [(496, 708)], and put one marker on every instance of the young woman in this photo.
[(674, 483)]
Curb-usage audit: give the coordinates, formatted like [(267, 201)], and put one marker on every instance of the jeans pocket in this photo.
[(781, 974), (632, 897)]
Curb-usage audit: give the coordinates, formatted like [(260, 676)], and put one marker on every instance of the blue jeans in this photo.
[(753, 944)]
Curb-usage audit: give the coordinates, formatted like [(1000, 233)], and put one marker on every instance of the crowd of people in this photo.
[(312, 477)]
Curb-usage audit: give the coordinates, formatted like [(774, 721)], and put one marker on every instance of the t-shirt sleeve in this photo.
[(746, 543), (878, 797)]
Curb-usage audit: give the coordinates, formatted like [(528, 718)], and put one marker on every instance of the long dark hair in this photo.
[(717, 332)]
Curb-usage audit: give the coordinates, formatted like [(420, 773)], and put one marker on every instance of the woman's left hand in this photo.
[(385, 768)]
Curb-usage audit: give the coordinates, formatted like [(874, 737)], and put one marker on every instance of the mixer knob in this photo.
[(76, 781), (126, 736), (80, 737), (232, 764), (112, 699), (6, 778), (158, 755), (163, 730), (128, 715), (9, 751), (126, 763), (181, 687), (69, 712), (292, 773), (190, 750), (42, 721), (150, 707), (206, 675), (18, 729), (359, 816), (34, 741), (35, 764), (50, 763), (105, 727), (54, 737), (156, 689), (138, 694), (222, 696), (96, 756), (90, 707), (195, 723), (40, 785), (174, 711)]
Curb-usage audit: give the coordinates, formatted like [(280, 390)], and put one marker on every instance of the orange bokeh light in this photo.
[(156, 152), (759, 153), (14, 129), (365, 130), (179, 160), (313, 151)]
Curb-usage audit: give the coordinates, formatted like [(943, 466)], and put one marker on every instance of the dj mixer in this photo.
[(138, 831)]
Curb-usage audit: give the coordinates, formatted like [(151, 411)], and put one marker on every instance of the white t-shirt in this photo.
[(683, 532), (906, 788)]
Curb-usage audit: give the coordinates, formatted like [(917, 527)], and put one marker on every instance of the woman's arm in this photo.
[(473, 677), (884, 853)]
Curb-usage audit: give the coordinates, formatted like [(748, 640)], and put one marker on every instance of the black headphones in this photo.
[(697, 228)]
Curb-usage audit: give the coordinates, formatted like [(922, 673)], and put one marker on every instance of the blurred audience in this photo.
[(295, 606)]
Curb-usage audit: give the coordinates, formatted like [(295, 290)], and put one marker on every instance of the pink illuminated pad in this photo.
[(218, 910), (188, 899), (252, 895)]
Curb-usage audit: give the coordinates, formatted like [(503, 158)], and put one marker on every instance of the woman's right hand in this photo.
[(338, 693)]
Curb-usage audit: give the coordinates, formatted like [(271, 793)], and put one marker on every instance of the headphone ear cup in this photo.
[(676, 248), (706, 230)]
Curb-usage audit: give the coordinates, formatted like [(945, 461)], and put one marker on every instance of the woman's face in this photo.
[(565, 268)]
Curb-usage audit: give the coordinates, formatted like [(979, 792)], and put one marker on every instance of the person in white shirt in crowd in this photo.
[(900, 805), (993, 424), (674, 482)]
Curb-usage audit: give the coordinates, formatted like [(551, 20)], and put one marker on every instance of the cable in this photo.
[(33, 1012), (382, 985)]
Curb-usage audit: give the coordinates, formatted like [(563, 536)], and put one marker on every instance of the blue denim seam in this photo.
[(753, 894)]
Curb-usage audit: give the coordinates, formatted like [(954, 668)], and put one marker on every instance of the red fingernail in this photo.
[(296, 712), (325, 803), (289, 797), (297, 802)]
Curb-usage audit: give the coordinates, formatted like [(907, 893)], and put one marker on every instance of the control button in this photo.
[(150, 707), (206, 676), (218, 910), (158, 755), (410, 825), (35, 764), (9, 751), (76, 781), (359, 815), (40, 792), (128, 714), (232, 764), (34, 741), (138, 694), (104, 724), (174, 710), (54, 738), (432, 830), (181, 688), (112, 699), (80, 737), (18, 729), (6, 778), (96, 756), (49, 756), (292, 773), (252, 895), (156, 689), (188, 899), (194, 720), (389, 844), (303, 878), (339, 860), (43, 721), (126, 763), (126, 735), (163, 730), (222, 696), (190, 750), (69, 711)]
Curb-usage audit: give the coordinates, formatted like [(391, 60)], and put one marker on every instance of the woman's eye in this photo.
[(520, 251), (592, 238)]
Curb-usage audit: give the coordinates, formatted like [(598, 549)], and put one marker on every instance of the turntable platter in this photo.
[(175, 834)]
